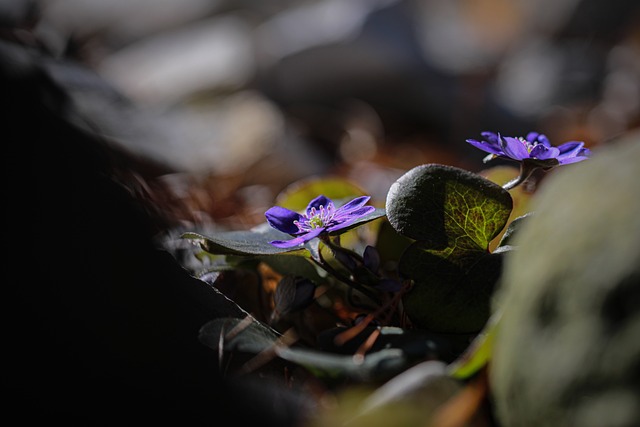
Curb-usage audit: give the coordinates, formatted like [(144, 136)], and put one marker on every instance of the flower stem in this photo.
[(525, 172), (348, 281), (514, 183), (337, 248)]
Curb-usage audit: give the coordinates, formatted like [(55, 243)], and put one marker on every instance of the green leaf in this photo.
[(453, 215), (251, 242), (439, 204)]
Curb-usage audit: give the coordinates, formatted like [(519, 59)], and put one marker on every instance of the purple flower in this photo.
[(535, 146), (321, 216)]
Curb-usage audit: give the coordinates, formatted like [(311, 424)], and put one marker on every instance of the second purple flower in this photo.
[(534, 146)]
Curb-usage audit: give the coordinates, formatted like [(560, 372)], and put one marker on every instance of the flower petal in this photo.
[(570, 148), (570, 160), (353, 204), (342, 216), (536, 146), (514, 148), (532, 136), (282, 219), (303, 238), (346, 219), (542, 152), (572, 152), (580, 157), (319, 201), (486, 146), (540, 138), (491, 137)]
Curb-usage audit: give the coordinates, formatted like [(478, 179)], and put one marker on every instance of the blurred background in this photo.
[(227, 102)]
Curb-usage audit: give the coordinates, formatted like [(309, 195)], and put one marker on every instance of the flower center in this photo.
[(316, 218), (528, 145)]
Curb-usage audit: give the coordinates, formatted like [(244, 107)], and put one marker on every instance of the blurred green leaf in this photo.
[(478, 354), (298, 195)]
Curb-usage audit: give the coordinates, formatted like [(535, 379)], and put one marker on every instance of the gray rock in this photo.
[(568, 349)]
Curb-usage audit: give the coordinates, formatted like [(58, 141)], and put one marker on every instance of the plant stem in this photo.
[(525, 172), (346, 280), (337, 248)]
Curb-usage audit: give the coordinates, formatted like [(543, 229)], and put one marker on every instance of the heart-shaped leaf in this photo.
[(438, 204), (452, 289), (453, 215)]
